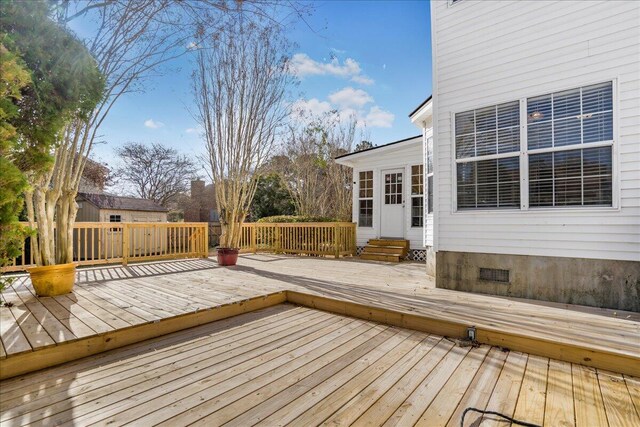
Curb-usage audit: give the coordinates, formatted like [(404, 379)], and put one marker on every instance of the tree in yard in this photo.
[(271, 198), (240, 85), (95, 177), (129, 41), (14, 77), (317, 184), (154, 172), (65, 85), (363, 145)]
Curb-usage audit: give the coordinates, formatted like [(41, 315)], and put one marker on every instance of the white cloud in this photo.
[(302, 65), (379, 118), (349, 96), (152, 124), (363, 80), (192, 46), (312, 106), (350, 104), (193, 130)]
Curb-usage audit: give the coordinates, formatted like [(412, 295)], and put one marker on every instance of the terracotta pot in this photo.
[(52, 280), (227, 256)]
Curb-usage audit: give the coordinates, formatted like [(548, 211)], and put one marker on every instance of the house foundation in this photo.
[(431, 261), (593, 282)]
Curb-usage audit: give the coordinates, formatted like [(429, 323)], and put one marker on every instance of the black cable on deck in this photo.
[(506, 417)]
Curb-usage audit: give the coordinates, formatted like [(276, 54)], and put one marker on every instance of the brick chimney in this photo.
[(192, 212)]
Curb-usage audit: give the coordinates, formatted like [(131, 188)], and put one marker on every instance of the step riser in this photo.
[(383, 250), (380, 257), (385, 242)]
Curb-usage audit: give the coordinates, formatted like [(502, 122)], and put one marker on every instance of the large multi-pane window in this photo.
[(570, 140), (566, 152), (487, 157), (430, 175), (417, 195), (365, 199)]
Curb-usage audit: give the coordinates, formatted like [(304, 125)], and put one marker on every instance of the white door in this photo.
[(392, 213)]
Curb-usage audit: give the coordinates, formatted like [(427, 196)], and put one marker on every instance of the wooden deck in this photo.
[(112, 298), (289, 365)]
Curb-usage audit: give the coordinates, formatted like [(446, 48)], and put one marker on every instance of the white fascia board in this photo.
[(354, 158), (424, 116)]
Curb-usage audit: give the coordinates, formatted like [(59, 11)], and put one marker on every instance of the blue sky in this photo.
[(372, 59)]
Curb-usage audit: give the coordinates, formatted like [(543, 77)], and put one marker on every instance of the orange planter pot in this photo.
[(52, 280)]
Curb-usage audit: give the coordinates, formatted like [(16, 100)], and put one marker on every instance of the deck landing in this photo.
[(298, 366)]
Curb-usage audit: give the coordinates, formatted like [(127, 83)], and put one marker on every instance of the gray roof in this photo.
[(109, 201)]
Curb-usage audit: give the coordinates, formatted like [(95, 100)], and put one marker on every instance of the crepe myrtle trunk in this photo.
[(66, 211), (231, 222)]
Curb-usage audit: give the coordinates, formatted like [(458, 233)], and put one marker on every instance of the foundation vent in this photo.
[(494, 275)]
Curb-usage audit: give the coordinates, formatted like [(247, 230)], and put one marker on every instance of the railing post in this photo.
[(336, 239), (354, 240), (205, 250), (252, 236), (277, 237), (125, 243)]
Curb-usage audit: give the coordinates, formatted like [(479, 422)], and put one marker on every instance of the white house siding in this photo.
[(378, 160), (486, 53)]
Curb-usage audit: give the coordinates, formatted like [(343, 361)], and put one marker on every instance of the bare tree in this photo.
[(130, 40), (318, 185), (240, 86), (95, 177), (154, 172)]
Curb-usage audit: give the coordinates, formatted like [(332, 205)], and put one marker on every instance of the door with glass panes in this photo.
[(392, 212)]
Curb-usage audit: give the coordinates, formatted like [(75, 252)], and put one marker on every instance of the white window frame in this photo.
[(422, 195), (429, 206), (366, 198), (524, 157), (477, 159)]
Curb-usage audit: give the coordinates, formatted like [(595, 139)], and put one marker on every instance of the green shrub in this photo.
[(294, 218)]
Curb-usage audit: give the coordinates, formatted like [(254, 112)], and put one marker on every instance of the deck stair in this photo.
[(389, 250)]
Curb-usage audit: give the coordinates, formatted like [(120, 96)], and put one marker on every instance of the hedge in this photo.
[(294, 218)]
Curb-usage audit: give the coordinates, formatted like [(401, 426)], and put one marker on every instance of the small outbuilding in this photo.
[(94, 207), (110, 208)]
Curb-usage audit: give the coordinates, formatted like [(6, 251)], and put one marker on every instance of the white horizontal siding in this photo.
[(492, 52)]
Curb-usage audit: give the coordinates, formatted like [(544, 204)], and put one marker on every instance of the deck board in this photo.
[(559, 403), (507, 389), (532, 398), (587, 397), (298, 366), (479, 391)]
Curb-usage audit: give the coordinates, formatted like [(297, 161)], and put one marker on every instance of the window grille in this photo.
[(562, 171), (487, 156), (365, 196), (417, 195), (430, 175), (566, 153)]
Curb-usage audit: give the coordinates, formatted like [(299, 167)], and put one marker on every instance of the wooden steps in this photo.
[(388, 250)]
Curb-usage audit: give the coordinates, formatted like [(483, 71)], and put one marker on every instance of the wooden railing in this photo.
[(122, 242), (313, 238)]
